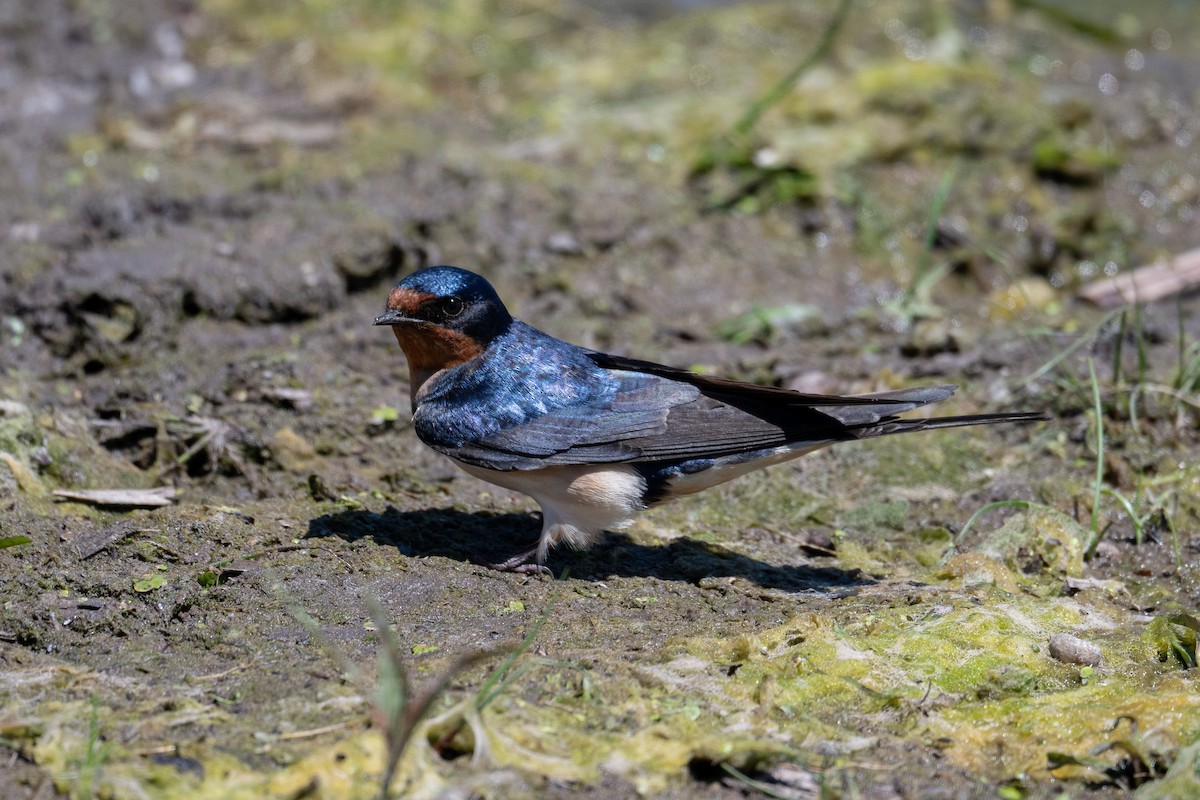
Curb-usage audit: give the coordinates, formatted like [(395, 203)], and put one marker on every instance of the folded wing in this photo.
[(660, 413)]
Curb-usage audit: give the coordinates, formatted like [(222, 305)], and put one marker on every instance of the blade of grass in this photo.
[(758, 786), (1066, 352), (1129, 510), (392, 693), (400, 708), (1074, 21), (732, 149), (94, 757), (935, 213), (1180, 334), (500, 679), (1188, 378), (953, 548), (415, 710), (1140, 389), (1170, 520), (396, 708), (1097, 486), (1117, 372), (1143, 359), (314, 630), (504, 675), (780, 90)]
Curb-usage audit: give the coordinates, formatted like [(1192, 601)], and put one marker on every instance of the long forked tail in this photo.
[(886, 427), (864, 421)]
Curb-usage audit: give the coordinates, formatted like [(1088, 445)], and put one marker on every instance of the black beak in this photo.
[(392, 317)]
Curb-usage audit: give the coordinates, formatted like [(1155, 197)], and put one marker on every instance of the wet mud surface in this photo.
[(206, 205)]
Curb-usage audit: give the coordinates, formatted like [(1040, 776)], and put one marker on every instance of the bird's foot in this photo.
[(523, 564)]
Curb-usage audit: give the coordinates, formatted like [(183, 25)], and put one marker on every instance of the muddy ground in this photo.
[(206, 203)]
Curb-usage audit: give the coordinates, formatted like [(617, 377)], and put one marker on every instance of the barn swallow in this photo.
[(595, 438)]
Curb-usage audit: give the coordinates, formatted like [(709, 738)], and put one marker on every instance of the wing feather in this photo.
[(663, 414), (655, 417)]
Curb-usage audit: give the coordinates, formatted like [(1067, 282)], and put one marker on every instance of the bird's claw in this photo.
[(524, 569), (521, 564)]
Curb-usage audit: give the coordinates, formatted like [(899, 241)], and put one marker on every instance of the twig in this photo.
[(311, 732), (121, 498), (1147, 283)]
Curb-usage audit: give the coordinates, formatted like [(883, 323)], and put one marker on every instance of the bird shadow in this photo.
[(483, 537)]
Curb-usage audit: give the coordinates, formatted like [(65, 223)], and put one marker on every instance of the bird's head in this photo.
[(444, 316)]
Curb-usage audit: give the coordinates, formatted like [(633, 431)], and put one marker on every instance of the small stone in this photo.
[(1020, 299), (11, 408), (564, 243), (932, 336), (299, 399), (293, 451), (1107, 551), (1072, 650)]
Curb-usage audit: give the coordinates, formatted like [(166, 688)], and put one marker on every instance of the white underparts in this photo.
[(578, 502)]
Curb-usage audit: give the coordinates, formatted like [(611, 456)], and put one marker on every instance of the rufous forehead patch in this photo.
[(407, 301)]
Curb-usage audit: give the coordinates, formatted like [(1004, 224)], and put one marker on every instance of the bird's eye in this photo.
[(452, 306)]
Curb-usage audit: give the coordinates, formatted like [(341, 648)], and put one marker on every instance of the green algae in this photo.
[(1039, 539), (977, 670), (1173, 637)]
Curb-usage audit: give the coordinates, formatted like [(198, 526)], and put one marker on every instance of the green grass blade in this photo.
[(780, 90), (1097, 485), (953, 548)]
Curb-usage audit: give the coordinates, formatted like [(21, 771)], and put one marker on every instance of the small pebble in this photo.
[(929, 337), (564, 243), (1108, 551), (1073, 650)]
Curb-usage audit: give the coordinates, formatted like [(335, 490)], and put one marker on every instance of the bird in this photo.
[(595, 438)]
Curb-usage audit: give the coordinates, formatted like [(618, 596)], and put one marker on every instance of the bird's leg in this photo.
[(523, 563)]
